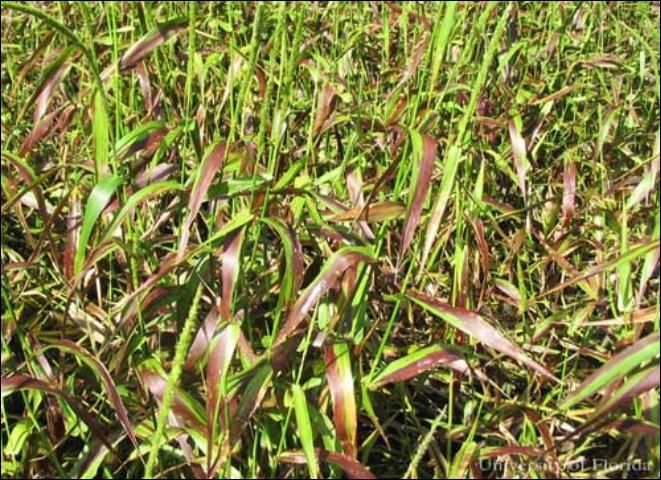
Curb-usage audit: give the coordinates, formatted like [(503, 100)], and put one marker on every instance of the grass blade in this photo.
[(376, 212), (206, 172), (340, 382), (569, 194), (102, 372), (22, 382), (353, 468), (328, 277), (305, 429), (150, 41), (418, 362), (618, 366), (447, 184), (101, 133), (424, 151), (474, 325), (96, 202)]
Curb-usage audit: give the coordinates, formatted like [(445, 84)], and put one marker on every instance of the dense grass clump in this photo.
[(330, 239)]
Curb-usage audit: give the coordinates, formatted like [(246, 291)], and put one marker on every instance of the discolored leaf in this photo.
[(627, 256), (41, 129), (22, 382), (618, 366), (136, 199), (324, 107), (569, 194), (205, 174), (646, 379), (186, 409), (150, 41), (108, 383), (328, 278), (353, 468), (453, 157), (474, 325), (252, 393), (519, 152), (376, 212), (424, 151), (230, 271), (420, 361), (294, 265), (216, 376), (341, 385)]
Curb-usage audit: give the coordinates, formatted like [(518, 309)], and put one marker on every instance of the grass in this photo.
[(330, 240)]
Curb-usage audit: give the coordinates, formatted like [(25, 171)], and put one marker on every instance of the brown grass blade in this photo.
[(150, 41), (419, 362), (145, 86), (107, 381), (40, 130), (230, 271), (182, 408), (376, 212), (324, 107), (519, 155)]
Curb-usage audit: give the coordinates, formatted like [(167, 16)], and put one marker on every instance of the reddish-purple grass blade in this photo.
[(145, 86), (40, 130), (474, 325), (353, 468), (419, 362), (340, 383), (183, 412), (327, 279), (46, 89), (153, 39), (634, 354), (569, 194), (154, 174), (230, 271), (202, 338), (20, 382), (324, 108), (209, 167), (483, 247), (106, 380), (421, 187)]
